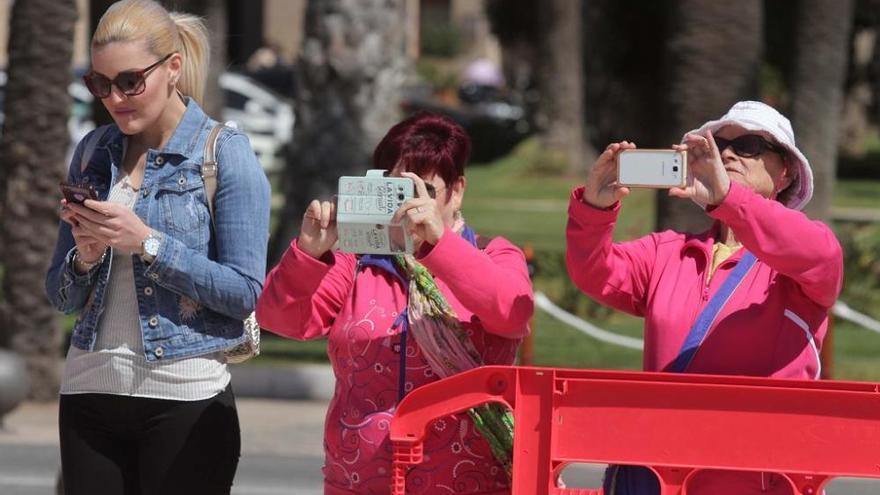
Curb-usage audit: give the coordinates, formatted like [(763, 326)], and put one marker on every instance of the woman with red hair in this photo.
[(396, 323)]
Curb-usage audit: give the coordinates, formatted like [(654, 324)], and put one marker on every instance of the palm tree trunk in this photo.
[(32, 149), (352, 67), (713, 55), (561, 83), (822, 49)]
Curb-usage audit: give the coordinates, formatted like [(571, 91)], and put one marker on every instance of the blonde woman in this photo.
[(159, 283)]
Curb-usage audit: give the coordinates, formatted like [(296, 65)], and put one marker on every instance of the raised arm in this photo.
[(303, 295), (493, 283)]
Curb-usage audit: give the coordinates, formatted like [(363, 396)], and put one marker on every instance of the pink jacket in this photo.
[(305, 299), (772, 325)]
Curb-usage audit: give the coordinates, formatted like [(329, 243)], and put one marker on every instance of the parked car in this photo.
[(494, 124), (265, 116)]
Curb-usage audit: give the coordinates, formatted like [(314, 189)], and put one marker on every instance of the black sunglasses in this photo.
[(130, 82), (748, 145)]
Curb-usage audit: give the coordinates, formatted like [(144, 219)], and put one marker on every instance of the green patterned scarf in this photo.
[(449, 350)]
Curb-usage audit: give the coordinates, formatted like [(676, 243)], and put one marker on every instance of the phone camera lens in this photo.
[(675, 168), (400, 196)]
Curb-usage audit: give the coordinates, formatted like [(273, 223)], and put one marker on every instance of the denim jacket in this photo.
[(206, 278)]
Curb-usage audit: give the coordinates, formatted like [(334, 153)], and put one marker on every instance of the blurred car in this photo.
[(264, 115), (494, 124)]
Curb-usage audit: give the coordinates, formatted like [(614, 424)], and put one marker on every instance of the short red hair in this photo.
[(425, 144)]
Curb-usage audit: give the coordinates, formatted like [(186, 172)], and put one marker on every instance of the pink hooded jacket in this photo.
[(772, 325), (305, 298)]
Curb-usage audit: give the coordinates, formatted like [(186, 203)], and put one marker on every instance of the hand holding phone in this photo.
[(601, 189), (654, 168), (78, 193), (365, 214)]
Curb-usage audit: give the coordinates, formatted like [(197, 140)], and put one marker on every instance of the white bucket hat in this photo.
[(757, 116)]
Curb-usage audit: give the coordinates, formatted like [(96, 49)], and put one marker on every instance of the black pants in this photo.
[(117, 445)]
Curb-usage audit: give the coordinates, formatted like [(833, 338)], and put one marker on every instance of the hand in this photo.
[(89, 248), (424, 218), (601, 189), (111, 224), (708, 182), (318, 232)]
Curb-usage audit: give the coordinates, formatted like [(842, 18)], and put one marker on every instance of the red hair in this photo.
[(425, 144)]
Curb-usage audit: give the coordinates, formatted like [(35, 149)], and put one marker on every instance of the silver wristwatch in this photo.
[(150, 246)]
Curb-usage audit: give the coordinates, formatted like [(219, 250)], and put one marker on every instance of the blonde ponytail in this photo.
[(196, 54), (163, 32)]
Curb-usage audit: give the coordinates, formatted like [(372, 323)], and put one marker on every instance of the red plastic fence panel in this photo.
[(810, 431)]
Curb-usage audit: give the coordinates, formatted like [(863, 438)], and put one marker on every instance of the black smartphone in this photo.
[(78, 193)]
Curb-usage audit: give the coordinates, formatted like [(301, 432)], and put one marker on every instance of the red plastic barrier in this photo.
[(809, 431)]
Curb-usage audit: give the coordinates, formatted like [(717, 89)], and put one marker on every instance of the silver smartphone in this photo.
[(655, 168)]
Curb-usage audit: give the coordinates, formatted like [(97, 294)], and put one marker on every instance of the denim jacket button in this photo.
[(181, 181), (159, 352), (145, 192), (154, 322), (160, 160), (148, 291)]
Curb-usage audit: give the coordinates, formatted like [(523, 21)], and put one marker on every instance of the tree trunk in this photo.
[(561, 83), (822, 49), (100, 116), (352, 67), (713, 57), (32, 149)]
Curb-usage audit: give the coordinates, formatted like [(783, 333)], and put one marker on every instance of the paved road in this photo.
[(281, 452)]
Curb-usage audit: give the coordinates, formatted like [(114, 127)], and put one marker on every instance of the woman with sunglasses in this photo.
[(160, 283), (394, 323), (750, 177)]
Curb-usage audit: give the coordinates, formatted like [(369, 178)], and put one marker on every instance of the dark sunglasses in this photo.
[(130, 82), (748, 145)]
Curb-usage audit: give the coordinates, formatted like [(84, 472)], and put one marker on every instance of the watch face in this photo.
[(151, 246)]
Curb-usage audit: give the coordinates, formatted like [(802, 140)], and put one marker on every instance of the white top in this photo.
[(117, 365)]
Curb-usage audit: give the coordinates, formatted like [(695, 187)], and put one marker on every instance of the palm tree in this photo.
[(32, 150), (822, 35), (713, 58), (560, 78), (352, 67)]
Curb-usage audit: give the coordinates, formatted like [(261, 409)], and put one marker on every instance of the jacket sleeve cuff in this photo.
[(589, 214), (732, 204), (438, 256), (79, 279)]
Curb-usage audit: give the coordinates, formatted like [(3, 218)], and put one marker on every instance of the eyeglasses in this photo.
[(748, 145), (129, 82), (432, 189)]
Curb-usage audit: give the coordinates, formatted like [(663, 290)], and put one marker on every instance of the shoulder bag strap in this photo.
[(90, 147), (707, 317), (209, 167)]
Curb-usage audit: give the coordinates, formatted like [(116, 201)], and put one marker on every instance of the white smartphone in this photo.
[(364, 210), (652, 168)]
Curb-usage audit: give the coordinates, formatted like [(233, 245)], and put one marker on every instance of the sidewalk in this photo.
[(276, 427)]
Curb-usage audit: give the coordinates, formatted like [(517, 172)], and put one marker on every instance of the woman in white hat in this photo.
[(750, 296)]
